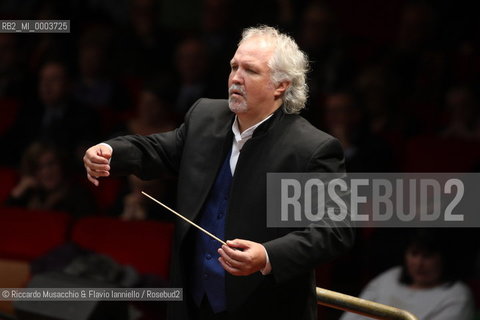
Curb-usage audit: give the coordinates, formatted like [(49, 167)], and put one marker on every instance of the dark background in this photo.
[(397, 82)]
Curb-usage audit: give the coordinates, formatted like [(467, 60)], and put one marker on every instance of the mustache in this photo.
[(236, 88)]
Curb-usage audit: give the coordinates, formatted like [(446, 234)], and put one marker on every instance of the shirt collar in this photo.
[(247, 133)]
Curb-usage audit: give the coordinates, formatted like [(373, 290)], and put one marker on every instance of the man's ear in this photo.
[(281, 88)]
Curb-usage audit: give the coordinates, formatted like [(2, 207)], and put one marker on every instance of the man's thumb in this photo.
[(105, 152), (237, 243)]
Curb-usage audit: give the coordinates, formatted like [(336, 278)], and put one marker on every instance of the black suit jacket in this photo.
[(195, 151)]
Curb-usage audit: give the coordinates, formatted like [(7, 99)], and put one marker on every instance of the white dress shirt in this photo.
[(239, 140)]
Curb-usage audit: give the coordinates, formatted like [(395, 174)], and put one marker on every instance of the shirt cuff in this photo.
[(268, 267)]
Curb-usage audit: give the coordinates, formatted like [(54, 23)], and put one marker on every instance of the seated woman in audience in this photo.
[(45, 185), (427, 284)]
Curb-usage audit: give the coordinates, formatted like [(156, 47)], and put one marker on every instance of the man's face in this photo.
[(250, 85)]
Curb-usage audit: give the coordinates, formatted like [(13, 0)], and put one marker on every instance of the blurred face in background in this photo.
[(416, 25), (215, 15), (150, 108), (316, 26), (191, 60), (7, 51), (142, 15), (91, 61), (425, 268), (462, 106), (340, 111), (49, 173), (52, 84)]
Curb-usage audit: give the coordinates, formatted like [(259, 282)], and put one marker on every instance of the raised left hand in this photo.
[(249, 259)]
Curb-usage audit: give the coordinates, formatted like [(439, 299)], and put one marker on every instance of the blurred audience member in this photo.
[(12, 77), (345, 120), (137, 207), (62, 119), (376, 88), (94, 86), (192, 67), (416, 27), (153, 112), (218, 33), (55, 117), (427, 284), (46, 46), (143, 48), (153, 116), (463, 114), (134, 203), (46, 185), (319, 37), (14, 85), (419, 61), (317, 29)]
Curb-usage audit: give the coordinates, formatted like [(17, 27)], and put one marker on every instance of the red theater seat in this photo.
[(145, 245), (107, 193), (28, 234)]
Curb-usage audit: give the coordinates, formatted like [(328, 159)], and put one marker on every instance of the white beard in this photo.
[(236, 104)]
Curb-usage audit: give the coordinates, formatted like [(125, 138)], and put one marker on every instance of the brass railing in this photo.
[(364, 307)]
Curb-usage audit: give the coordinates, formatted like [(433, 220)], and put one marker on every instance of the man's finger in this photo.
[(92, 180), (234, 254), (229, 269), (239, 243), (97, 173), (94, 158), (229, 260), (96, 166)]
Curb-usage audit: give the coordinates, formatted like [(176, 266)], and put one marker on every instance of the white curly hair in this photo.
[(288, 63)]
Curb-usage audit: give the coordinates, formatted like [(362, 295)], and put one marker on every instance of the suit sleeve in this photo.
[(299, 251)]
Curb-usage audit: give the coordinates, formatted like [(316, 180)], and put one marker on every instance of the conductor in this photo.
[(221, 155)]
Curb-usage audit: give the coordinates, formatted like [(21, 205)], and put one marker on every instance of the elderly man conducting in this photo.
[(221, 155)]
